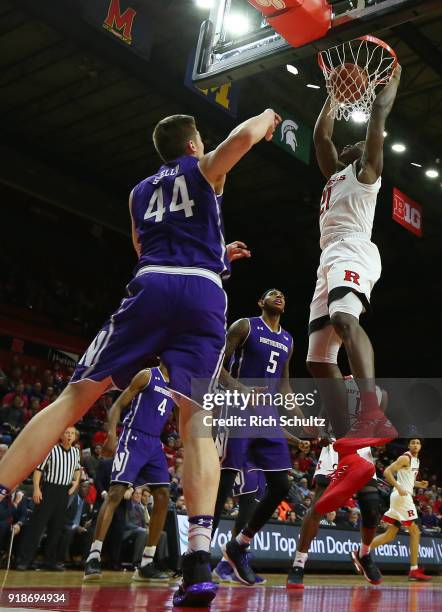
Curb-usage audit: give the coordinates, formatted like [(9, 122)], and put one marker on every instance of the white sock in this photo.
[(300, 559), (95, 551), (199, 538), (148, 555), (413, 567), (243, 539), (364, 549)]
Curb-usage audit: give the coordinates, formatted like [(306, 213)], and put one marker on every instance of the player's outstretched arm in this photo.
[(373, 157), (326, 153), (216, 164), (138, 382), (402, 462)]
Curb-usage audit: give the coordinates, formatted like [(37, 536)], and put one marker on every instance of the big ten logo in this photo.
[(120, 23), (406, 212), (219, 95)]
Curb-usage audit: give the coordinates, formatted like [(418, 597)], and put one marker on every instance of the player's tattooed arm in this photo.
[(326, 153), (216, 164), (236, 336), (401, 462), (373, 157), (135, 240), (137, 384)]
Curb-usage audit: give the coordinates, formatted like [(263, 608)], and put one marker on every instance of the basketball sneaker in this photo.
[(196, 589), (223, 571), (149, 573), (418, 575), (352, 473), (238, 557), (259, 580), (366, 566), (295, 578), (92, 569)]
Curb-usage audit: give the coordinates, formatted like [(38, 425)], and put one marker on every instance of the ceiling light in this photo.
[(237, 24), (431, 173), (359, 116), (417, 165), (398, 147), (385, 134), (292, 69), (313, 86), (204, 4)]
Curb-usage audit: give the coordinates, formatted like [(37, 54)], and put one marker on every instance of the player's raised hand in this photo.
[(237, 250), (275, 121)]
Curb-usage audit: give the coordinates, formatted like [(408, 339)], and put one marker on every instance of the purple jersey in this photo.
[(263, 354), (178, 219), (150, 409)]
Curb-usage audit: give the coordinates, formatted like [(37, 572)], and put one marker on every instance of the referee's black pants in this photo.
[(50, 513)]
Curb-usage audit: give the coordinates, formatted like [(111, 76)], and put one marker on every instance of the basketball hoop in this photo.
[(352, 71)]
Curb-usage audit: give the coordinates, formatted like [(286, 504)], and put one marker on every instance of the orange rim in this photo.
[(368, 38)]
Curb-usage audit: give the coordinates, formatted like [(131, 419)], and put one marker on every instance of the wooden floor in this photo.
[(322, 593)]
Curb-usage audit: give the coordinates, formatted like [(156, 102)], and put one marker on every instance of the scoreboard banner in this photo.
[(275, 546), (407, 212)]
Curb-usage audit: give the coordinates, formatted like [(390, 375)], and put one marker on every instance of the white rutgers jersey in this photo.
[(328, 459), (406, 476), (347, 206)]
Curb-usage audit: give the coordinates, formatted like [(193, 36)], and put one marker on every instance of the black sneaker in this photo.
[(238, 558), (149, 573), (92, 569), (295, 578), (197, 588), (365, 565)]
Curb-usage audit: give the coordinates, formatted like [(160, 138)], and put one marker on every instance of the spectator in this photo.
[(353, 519), (303, 487), (292, 518), (229, 508), (13, 510), (18, 391), (302, 508), (275, 516), (180, 504), (429, 520), (13, 416), (283, 510), (36, 391), (297, 473), (136, 526), (329, 519), (91, 463), (77, 531)]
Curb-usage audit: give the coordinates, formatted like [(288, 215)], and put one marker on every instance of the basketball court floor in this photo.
[(322, 593)]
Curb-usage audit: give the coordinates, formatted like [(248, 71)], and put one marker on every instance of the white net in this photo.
[(352, 72)]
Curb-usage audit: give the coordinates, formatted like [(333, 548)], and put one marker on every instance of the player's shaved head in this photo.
[(172, 134)]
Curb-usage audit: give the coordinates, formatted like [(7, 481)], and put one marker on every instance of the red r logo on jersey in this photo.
[(411, 513), (352, 277)]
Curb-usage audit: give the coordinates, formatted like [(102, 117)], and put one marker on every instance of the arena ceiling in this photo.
[(78, 108)]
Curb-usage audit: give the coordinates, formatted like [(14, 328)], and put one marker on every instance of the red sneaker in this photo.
[(352, 473), (418, 575), (349, 446), (373, 425)]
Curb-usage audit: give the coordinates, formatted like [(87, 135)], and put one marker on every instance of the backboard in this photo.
[(236, 41)]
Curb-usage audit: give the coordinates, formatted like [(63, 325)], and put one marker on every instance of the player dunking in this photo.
[(349, 267), (368, 498), (402, 511), (259, 348), (139, 460), (174, 308)]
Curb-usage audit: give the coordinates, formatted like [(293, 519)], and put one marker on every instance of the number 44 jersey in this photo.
[(263, 354), (178, 220)]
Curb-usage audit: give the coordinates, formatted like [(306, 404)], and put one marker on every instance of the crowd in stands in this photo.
[(24, 391)]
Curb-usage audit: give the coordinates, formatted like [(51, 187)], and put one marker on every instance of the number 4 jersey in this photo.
[(150, 409), (178, 220)]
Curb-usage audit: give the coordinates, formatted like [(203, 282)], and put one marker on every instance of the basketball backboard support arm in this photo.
[(219, 60)]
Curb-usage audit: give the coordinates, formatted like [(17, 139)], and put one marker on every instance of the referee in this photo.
[(61, 470)]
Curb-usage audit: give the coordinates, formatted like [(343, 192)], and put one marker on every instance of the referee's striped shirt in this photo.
[(60, 465)]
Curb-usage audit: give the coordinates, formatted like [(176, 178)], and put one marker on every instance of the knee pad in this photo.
[(349, 303), (324, 345), (369, 504)]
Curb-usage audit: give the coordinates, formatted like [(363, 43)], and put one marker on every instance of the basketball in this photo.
[(349, 82)]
